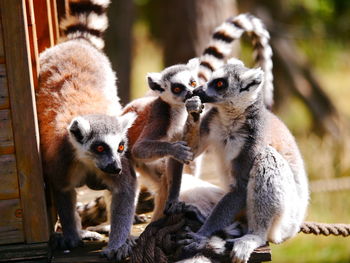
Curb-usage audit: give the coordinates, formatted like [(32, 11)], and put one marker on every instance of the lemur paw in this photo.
[(242, 249), (68, 241), (194, 105), (121, 252), (181, 152), (174, 207), (193, 243), (90, 235), (102, 228)]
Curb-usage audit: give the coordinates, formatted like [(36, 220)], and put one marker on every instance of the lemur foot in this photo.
[(181, 152), (174, 207), (139, 219), (243, 248), (121, 252), (68, 241), (102, 229), (193, 244)]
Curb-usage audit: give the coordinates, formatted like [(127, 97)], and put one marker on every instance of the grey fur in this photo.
[(271, 185)]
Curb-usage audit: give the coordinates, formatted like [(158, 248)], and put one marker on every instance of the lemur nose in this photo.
[(197, 90), (189, 94), (112, 168)]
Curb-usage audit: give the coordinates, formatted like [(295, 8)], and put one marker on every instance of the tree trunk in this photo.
[(118, 41), (184, 26)]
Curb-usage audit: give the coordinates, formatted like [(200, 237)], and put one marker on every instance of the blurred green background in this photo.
[(316, 33)]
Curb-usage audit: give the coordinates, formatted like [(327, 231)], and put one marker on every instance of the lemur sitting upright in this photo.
[(259, 159), (83, 136), (161, 119)]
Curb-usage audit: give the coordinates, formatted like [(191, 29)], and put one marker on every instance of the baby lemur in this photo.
[(259, 159), (83, 136), (160, 129)]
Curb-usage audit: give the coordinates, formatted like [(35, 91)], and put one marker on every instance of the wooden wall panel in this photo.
[(1, 45), (4, 96), (43, 22), (11, 224), (24, 119), (6, 133), (9, 180)]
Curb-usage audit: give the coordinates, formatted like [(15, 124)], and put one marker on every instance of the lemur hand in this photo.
[(181, 152), (194, 105)]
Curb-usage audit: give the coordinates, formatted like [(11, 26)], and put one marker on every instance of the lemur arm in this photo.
[(191, 135), (122, 213), (152, 143)]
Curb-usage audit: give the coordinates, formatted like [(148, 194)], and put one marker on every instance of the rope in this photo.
[(328, 185), (325, 229)]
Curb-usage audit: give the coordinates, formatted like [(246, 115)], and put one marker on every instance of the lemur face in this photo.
[(101, 140), (175, 84), (232, 84)]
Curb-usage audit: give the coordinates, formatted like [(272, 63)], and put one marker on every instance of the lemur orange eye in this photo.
[(219, 84), (193, 83), (100, 148), (121, 147), (177, 89)]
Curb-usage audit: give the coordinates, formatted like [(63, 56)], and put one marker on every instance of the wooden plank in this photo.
[(30, 253), (33, 41), (2, 54), (9, 179), (43, 22), (6, 134), (55, 22), (24, 120), (11, 226), (89, 253), (4, 96)]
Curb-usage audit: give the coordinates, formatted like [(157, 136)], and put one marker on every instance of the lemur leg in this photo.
[(160, 199), (122, 213), (266, 202), (70, 220)]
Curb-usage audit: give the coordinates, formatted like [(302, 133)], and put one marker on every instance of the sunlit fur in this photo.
[(259, 159)]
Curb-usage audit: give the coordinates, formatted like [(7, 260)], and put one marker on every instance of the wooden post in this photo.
[(24, 119)]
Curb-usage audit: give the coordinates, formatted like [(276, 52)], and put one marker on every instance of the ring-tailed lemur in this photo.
[(259, 158), (213, 57), (83, 136), (158, 116)]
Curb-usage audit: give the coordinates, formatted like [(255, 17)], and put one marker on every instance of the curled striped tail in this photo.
[(86, 19), (220, 48)]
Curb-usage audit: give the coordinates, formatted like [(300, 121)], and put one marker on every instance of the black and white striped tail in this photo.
[(220, 48), (86, 19)]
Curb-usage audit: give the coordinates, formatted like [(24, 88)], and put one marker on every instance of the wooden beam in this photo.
[(4, 94), (33, 41), (25, 253), (54, 19), (6, 134), (8, 175), (43, 21), (24, 119), (11, 226)]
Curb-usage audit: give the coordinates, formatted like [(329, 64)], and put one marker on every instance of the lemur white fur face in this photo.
[(232, 84), (175, 84), (100, 140)]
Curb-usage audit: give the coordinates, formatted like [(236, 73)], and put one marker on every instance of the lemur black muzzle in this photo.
[(202, 95)]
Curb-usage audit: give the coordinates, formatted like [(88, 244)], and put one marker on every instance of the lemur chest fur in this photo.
[(178, 116), (228, 140)]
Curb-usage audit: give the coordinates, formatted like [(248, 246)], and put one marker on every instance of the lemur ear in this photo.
[(154, 81), (235, 61), (193, 64), (127, 120), (252, 79), (79, 129)]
